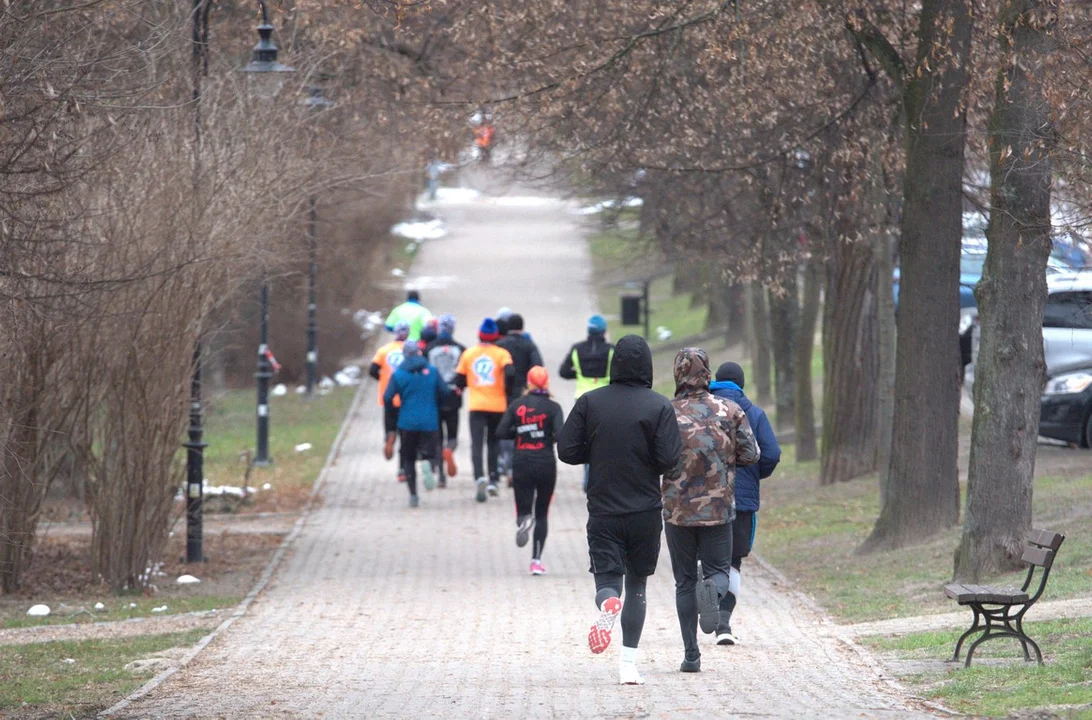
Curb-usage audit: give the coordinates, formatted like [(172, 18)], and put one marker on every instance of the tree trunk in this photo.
[(736, 331), (784, 320), (923, 493), (760, 345), (850, 364), (806, 446), (1011, 369), (885, 333)]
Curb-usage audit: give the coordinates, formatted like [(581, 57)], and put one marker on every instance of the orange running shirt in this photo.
[(484, 366), (388, 358)]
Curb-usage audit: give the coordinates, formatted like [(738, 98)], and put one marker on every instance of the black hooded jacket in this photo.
[(524, 354), (627, 434)]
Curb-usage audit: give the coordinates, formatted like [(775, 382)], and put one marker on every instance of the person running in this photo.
[(629, 436), (533, 421), (386, 360), (411, 312), (422, 391), (699, 498), (443, 353), (589, 362), (502, 320), (729, 385), (486, 371), (525, 355)]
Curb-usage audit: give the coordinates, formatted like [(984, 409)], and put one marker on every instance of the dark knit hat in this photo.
[(731, 372), (515, 321), (488, 332)]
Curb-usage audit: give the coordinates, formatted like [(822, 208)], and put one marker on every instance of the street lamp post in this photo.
[(267, 75), (316, 102)]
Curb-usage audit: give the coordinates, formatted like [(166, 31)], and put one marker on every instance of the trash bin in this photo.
[(631, 309)]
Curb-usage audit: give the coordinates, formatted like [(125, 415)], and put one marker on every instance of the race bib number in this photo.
[(484, 370)]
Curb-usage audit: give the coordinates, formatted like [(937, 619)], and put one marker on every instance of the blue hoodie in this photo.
[(747, 478), (422, 390)]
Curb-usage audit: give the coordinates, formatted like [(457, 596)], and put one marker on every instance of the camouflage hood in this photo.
[(691, 371)]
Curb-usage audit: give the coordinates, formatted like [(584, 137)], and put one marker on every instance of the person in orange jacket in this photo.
[(386, 360), (487, 372)]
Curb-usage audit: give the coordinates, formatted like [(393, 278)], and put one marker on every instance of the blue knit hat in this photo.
[(597, 324), (401, 330), (447, 324), (488, 332)]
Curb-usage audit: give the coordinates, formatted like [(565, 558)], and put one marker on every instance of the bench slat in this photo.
[(1046, 539), (966, 594), (1041, 557)]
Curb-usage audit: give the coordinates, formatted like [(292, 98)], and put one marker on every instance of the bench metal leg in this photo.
[(1028, 641), (975, 627)]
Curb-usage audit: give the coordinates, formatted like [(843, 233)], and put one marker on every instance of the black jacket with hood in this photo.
[(627, 433), (593, 355), (525, 355)]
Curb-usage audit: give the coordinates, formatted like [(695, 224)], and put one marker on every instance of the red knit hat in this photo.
[(538, 378)]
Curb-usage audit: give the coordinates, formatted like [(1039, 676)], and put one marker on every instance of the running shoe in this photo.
[(481, 495), (441, 482), (629, 675), (725, 636), (401, 476), (414, 501), (427, 475), (537, 568), (599, 634), (494, 491), (524, 530), (708, 606), (690, 666), (449, 460), (388, 446)]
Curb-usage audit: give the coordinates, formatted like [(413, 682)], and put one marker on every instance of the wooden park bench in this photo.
[(999, 612)]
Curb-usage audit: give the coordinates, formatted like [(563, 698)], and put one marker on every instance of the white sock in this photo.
[(629, 655), (733, 582)]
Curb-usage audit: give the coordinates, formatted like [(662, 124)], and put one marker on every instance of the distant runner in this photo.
[(589, 363), (534, 421), (486, 371), (411, 312), (422, 391), (444, 353), (525, 355), (386, 360)]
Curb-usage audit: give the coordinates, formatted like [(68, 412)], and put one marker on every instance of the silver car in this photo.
[(1067, 320)]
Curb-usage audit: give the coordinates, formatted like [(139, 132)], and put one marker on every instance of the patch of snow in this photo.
[(418, 230), (303, 447), (132, 606), (187, 580), (267, 486), (99, 606), (301, 389), (279, 390), (663, 333), (38, 611), (68, 661), (343, 379), (398, 272), (161, 608)]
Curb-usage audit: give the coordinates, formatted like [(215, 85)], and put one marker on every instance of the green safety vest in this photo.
[(584, 384)]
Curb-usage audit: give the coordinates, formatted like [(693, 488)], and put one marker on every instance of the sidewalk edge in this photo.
[(267, 572)]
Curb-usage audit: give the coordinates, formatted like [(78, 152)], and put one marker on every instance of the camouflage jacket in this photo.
[(716, 438)]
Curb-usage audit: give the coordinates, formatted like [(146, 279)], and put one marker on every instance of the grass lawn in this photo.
[(230, 430), (118, 607), (63, 679), (811, 532), (1002, 682)]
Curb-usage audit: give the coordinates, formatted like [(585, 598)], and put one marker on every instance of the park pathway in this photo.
[(384, 612)]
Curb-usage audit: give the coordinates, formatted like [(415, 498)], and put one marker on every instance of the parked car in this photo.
[(1067, 320), (1066, 405)]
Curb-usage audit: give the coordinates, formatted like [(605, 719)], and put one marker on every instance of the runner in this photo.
[(533, 421), (486, 370), (525, 355), (629, 436), (386, 360), (411, 312), (422, 391), (699, 500), (589, 363), (502, 320), (443, 353), (729, 385)]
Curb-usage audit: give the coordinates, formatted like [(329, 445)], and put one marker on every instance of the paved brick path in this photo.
[(384, 612)]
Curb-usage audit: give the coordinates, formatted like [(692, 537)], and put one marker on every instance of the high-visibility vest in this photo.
[(584, 384)]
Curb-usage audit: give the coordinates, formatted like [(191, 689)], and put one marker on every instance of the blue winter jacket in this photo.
[(747, 478), (422, 389)]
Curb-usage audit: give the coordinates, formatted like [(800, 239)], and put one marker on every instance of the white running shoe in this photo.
[(427, 476), (481, 496), (523, 532), (494, 491), (629, 675), (727, 637)]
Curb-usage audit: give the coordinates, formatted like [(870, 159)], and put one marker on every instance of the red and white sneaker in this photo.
[(599, 634), (537, 568)]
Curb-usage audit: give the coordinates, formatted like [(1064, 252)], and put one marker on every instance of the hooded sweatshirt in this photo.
[(747, 478), (716, 437), (422, 391), (626, 433)]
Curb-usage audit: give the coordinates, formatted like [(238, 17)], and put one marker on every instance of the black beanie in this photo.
[(731, 372), (515, 321)]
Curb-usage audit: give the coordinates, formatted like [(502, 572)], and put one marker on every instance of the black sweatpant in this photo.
[(533, 485), (712, 544), (449, 429), (483, 432), (390, 418), (414, 442), (743, 540)]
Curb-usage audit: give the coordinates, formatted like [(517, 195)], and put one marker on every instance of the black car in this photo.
[(1066, 409)]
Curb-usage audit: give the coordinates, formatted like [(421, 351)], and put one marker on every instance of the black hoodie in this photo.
[(627, 434)]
